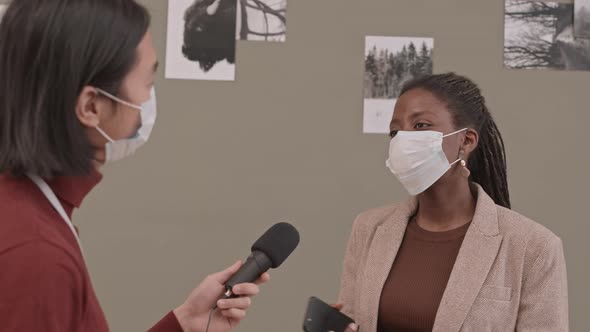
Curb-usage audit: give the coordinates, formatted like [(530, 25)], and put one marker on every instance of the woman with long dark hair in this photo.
[(77, 91)]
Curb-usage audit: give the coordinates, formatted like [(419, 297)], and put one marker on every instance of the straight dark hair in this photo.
[(49, 51), (468, 108)]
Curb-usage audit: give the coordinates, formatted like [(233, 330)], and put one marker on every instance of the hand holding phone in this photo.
[(321, 317)]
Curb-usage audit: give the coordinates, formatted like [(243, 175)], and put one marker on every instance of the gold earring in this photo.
[(464, 170)]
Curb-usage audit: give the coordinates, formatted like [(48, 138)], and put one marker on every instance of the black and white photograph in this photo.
[(540, 35), (389, 63), (582, 18), (262, 20), (201, 39)]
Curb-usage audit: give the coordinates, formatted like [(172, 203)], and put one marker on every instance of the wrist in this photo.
[(183, 317)]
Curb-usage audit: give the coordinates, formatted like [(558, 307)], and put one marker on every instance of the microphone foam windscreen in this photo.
[(278, 242)]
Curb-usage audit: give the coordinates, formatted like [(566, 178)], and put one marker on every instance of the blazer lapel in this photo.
[(382, 251), (476, 256)]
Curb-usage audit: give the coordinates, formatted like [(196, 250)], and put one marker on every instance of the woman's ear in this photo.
[(470, 141), (89, 107)]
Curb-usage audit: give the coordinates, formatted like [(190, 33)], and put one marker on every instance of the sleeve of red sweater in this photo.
[(43, 292), (168, 324)]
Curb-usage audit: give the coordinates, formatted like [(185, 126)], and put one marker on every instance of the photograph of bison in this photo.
[(201, 42)]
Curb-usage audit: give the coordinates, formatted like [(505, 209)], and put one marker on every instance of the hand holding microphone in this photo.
[(269, 251), (194, 314), (204, 311)]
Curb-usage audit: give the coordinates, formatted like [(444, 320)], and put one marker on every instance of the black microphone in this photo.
[(269, 251)]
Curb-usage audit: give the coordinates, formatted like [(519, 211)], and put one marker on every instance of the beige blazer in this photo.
[(509, 275)]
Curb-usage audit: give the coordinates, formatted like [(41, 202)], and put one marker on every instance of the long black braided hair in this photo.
[(468, 108)]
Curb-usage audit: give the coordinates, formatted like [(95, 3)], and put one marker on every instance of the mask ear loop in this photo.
[(101, 91), (104, 134), (455, 132)]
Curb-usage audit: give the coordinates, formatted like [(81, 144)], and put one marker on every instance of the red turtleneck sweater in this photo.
[(44, 283)]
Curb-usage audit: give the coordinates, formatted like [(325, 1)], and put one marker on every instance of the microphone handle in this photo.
[(256, 264)]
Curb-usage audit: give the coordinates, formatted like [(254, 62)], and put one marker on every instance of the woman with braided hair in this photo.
[(454, 257)]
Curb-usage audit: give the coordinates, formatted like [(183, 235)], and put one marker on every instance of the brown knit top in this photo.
[(418, 278)]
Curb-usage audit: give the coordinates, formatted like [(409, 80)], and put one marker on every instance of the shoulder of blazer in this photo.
[(368, 221), (537, 243), (518, 228)]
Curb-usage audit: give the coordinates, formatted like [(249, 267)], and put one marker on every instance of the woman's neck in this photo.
[(446, 206), (99, 158)]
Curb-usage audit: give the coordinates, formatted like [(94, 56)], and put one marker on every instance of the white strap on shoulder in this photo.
[(50, 195)]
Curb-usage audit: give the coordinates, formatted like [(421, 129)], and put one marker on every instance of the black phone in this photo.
[(321, 317)]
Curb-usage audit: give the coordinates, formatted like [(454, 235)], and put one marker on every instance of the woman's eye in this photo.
[(421, 125), (393, 133)]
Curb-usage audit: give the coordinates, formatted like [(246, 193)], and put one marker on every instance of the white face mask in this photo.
[(417, 159), (119, 149)]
